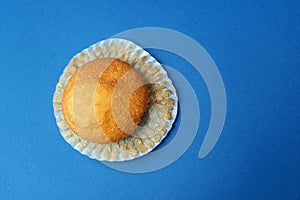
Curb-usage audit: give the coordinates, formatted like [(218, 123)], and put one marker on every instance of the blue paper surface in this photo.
[(256, 47)]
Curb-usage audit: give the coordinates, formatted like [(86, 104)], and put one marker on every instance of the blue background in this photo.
[(256, 47)]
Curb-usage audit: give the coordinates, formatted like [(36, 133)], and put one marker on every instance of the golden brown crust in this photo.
[(119, 100), (67, 102)]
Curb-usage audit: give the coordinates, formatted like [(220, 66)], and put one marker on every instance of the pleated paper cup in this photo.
[(157, 119)]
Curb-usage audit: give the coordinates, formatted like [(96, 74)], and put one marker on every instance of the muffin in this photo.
[(92, 92), (114, 101)]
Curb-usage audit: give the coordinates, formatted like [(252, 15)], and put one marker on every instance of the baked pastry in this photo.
[(101, 98), (104, 100)]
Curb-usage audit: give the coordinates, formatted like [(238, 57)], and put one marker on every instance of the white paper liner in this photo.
[(156, 122)]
